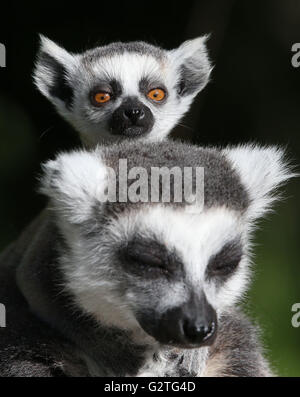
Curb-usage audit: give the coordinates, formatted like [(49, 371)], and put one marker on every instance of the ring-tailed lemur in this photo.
[(140, 289), (123, 89)]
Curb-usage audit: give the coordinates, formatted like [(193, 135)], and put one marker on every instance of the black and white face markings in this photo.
[(122, 89), (148, 258), (155, 267), (225, 262), (193, 321)]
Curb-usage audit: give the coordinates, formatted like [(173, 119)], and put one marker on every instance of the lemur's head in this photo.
[(123, 89), (159, 268)]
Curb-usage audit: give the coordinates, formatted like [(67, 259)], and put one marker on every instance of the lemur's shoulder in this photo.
[(28, 346), (237, 350)]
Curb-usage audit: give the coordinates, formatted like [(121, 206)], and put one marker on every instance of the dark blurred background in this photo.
[(254, 95)]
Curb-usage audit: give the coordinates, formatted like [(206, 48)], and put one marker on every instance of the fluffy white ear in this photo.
[(53, 73), (193, 64), (262, 170), (75, 182)]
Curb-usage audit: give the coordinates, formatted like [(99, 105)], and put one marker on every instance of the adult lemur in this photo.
[(120, 288), (123, 89)]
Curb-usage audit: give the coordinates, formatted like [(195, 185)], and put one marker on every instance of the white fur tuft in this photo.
[(262, 170), (43, 75), (194, 54), (73, 182)]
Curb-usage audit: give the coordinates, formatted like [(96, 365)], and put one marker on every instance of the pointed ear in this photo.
[(193, 64), (262, 170), (75, 182), (53, 73)]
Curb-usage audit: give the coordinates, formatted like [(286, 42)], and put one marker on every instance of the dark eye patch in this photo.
[(149, 258), (190, 80), (60, 88), (146, 85), (113, 87), (225, 262)]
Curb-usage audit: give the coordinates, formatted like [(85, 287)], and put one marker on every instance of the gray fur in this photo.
[(119, 48), (222, 184), (237, 348)]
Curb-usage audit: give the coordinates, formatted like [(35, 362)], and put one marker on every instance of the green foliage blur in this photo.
[(254, 95)]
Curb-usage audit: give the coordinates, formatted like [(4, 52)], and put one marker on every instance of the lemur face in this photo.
[(130, 90), (157, 268), (180, 272)]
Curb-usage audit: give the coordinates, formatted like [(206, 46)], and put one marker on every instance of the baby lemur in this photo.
[(113, 288), (122, 90)]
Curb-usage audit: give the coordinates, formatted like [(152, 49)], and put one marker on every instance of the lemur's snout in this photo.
[(191, 325), (131, 119), (198, 330), (197, 322)]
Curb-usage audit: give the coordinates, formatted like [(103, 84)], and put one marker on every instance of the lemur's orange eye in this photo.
[(157, 94), (101, 97)]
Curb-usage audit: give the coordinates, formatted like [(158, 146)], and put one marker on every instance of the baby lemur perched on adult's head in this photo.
[(122, 89), (138, 288)]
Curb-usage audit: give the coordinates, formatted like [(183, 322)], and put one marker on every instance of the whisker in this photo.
[(45, 132), (186, 126)]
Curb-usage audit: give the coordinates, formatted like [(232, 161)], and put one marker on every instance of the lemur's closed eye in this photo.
[(148, 257), (225, 262)]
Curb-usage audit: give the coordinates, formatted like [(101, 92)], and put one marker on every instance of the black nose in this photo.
[(198, 323), (131, 119), (190, 325), (134, 114), (196, 333)]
